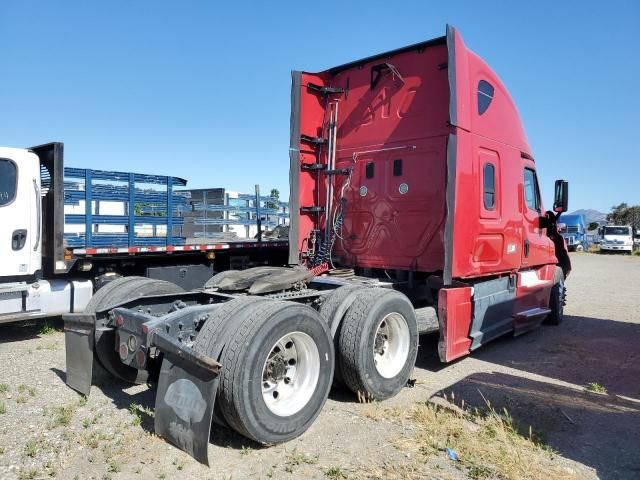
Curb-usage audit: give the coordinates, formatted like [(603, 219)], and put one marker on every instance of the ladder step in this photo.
[(313, 209), (532, 313), (313, 140), (338, 171), (313, 166), (325, 90)]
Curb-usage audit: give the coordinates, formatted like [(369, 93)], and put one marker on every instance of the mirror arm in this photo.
[(544, 221)]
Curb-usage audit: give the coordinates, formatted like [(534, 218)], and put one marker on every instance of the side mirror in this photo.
[(561, 197)]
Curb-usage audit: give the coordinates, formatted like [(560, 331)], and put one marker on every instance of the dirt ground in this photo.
[(541, 378)]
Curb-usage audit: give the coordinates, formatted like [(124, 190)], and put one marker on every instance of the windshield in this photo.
[(8, 173), (572, 229), (616, 231)]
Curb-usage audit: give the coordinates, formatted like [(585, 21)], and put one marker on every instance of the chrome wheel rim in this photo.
[(391, 345), (290, 374)]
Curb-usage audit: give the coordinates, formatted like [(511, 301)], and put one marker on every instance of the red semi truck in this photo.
[(418, 210)]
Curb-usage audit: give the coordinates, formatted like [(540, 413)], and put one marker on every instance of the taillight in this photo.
[(141, 358)]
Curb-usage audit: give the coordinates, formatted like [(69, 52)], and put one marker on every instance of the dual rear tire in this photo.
[(277, 366), (278, 358), (376, 340)]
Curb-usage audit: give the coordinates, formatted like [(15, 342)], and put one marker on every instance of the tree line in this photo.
[(624, 214)]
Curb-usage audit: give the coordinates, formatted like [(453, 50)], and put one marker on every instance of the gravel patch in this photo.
[(541, 378)]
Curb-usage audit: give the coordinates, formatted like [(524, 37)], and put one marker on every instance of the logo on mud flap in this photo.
[(186, 400)]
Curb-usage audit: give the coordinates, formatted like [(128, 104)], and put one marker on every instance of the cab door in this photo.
[(536, 247), (20, 219)]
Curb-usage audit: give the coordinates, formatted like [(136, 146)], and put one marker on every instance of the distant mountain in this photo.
[(591, 215)]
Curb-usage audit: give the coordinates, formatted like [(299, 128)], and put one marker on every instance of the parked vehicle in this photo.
[(617, 238), (415, 208), (66, 232), (573, 229)]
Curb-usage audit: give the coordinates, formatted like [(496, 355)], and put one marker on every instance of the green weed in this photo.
[(114, 467), (62, 416), (596, 387), (335, 473), (31, 448), (47, 328)]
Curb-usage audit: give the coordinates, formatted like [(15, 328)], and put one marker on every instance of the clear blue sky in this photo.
[(200, 89)]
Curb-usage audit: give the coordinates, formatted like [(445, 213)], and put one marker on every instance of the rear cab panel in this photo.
[(392, 128)]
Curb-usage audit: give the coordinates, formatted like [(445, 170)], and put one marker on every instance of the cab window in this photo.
[(489, 184), (8, 174), (531, 194), (485, 96)]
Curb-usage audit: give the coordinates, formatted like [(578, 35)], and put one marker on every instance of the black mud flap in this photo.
[(185, 398), (184, 409), (78, 338)]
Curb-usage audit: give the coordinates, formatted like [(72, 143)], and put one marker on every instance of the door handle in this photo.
[(38, 214), (18, 239), (526, 248)]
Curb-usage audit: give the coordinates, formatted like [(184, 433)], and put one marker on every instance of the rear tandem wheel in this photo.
[(119, 291), (378, 344), (277, 367), (333, 310)]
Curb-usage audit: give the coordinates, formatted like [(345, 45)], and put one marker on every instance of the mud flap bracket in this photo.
[(79, 331)]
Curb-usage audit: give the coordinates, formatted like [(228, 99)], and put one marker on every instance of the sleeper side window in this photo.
[(8, 180), (397, 167), (485, 96), (369, 170), (489, 186), (531, 194)]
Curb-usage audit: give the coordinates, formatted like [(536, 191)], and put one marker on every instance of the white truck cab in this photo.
[(20, 213), (34, 277), (617, 238)]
